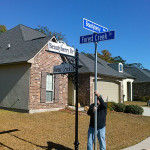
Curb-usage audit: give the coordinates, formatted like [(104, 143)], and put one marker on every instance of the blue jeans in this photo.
[(101, 138)]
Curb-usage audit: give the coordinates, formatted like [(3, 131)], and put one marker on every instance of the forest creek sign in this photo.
[(61, 48), (64, 68)]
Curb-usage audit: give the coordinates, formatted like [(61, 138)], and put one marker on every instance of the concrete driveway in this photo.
[(146, 111)]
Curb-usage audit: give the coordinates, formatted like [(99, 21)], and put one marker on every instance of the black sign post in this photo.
[(67, 69), (76, 143)]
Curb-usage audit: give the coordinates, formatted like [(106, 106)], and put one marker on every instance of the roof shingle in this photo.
[(24, 44), (103, 67), (140, 74)]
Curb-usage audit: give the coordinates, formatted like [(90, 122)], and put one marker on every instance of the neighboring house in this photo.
[(141, 85), (27, 82), (112, 82), (127, 83)]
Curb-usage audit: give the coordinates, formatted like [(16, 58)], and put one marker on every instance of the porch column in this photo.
[(121, 91), (131, 91)]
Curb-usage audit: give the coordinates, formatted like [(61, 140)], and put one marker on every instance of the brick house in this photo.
[(141, 84), (27, 82)]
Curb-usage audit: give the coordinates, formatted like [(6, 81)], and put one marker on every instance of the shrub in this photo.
[(142, 99), (120, 107), (134, 109), (111, 106), (145, 98)]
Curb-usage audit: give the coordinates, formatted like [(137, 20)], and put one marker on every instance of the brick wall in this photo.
[(44, 61), (140, 90), (84, 89), (92, 89)]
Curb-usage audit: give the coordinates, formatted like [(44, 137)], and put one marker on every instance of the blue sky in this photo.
[(130, 19)]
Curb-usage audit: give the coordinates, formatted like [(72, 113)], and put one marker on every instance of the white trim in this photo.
[(44, 110), (52, 89), (31, 61), (53, 37), (125, 81), (119, 67)]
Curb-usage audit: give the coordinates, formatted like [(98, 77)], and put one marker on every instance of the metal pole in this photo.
[(95, 121), (76, 143)]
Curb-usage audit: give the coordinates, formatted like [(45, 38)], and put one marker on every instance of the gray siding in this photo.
[(14, 86)]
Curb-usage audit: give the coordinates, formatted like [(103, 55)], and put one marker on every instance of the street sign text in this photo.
[(89, 25), (97, 37), (61, 48), (64, 69)]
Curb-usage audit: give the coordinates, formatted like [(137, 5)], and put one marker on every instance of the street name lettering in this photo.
[(61, 48), (64, 68), (97, 37), (89, 25)]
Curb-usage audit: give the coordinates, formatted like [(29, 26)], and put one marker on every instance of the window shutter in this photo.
[(57, 87), (43, 87)]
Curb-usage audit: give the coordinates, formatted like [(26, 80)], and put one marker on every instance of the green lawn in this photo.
[(55, 130)]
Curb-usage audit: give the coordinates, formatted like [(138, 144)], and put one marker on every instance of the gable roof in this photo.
[(124, 73), (140, 74), (30, 34), (103, 67), (24, 42)]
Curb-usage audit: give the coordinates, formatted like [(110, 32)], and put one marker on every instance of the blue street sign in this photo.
[(89, 25), (97, 37)]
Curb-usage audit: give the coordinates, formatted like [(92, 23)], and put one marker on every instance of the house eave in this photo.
[(10, 63), (103, 75)]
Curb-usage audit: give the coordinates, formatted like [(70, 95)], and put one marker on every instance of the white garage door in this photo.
[(108, 90)]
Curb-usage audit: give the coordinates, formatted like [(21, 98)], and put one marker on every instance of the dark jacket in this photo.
[(101, 114)]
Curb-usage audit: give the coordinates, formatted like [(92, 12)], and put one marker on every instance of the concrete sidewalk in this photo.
[(144, 145), (146, 111)]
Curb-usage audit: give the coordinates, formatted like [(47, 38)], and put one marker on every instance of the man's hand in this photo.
[(94, 109), (96, 93)]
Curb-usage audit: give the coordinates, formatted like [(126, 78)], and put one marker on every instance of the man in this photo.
[(101, 123)]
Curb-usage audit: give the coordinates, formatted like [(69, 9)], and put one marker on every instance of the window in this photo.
[(49, 88), (120, 67)]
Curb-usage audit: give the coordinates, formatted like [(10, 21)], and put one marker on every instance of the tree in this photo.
[(85, 53), (46, 31), (3, 28), (106, 55), (138, 65), (118, 59)]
